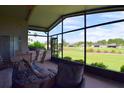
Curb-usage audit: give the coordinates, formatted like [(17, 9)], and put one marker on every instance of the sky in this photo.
[(93, 34)]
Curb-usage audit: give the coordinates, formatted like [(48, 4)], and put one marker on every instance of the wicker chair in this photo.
[(69, 75), (30, 75)]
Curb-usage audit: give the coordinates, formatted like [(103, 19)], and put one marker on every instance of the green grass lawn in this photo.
[(113, 61)]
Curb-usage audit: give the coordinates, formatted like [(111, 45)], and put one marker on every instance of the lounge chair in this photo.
[(28, 74), (70, 75)]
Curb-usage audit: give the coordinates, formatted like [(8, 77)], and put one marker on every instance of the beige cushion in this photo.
[(39, 74), (27, 57), (69, 75), (17, 58), (40, 55), (20, 56), (33, 55), (48, 55)]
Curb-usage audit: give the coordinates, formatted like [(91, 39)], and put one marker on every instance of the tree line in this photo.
[(117, 41)]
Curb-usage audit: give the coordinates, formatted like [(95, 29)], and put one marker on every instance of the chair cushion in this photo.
[(43, 71), (6, 78), (39, 71), (25, 55), (23, 74), (40, 55), (33, 55), (48, 55), (69, 75)]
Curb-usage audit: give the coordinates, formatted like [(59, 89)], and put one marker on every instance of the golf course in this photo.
[(113, 58)]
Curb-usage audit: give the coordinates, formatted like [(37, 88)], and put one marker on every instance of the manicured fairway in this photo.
[(113, 61)]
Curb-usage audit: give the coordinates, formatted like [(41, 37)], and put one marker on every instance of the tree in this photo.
[(117, 41), (102, 42), (77, 44), (90, 43)]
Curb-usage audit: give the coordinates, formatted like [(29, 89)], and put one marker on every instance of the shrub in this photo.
[(68, 58), (39, 45), (113, 51), (98, 51), (36, 45), (31, 46), (105, 51), (122, 68), (90, 50), (119, 52), (101, 65), (80, 60)]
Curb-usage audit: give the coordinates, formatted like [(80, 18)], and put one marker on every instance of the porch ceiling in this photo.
[(16, 11), (45, 17)]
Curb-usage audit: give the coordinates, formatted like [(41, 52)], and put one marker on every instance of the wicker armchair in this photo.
[(30, 75), (69, 75)]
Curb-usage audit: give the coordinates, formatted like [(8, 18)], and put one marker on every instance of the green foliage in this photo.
[(113, 62), (68, 58), (80, 60), (90, 43), (101, 65), (31, 46), (122, 68), (118, 41), (113, 51), (119, 52), (105, 51), (90, 50), (37, 45), (102, 42), (98, 51), (78, 44)]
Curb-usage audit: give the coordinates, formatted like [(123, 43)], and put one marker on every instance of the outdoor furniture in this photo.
[(70, 75), (20, 56), (6, 77), (47, 56), (40, 55), (32, 55), (26, 75)]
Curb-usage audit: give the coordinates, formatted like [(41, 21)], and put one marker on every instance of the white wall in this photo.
[(17, 29)]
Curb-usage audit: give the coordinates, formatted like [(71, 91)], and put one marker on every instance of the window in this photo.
[(73, 23), (106, 49), (98, 18), (56, 29), (34, 36), (73, 46), (105, 44), (59, 46)]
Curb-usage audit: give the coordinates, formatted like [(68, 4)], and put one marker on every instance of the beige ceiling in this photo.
[(45, 17), (17, 11)]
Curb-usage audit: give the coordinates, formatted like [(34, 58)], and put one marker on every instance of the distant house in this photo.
[(114, 45), (96, 45)]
